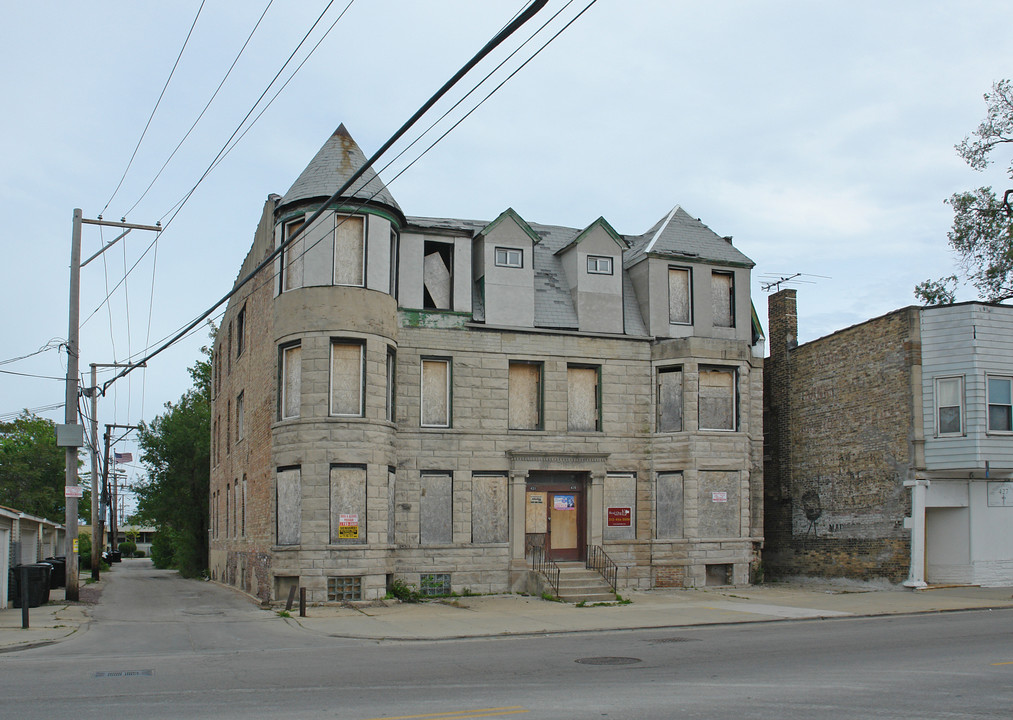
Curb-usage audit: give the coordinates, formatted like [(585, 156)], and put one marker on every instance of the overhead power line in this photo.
[(179, 205), (175, 209), (506, 32), (154, 109), (208, 105), (383, 185)]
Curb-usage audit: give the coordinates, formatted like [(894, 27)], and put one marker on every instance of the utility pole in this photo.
[(97, 526), (71, 434), (70, 411), (111, 498)]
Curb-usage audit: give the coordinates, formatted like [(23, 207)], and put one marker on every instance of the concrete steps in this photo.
[(578, 584)]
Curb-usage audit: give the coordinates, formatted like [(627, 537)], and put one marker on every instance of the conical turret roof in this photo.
[(333, 165)]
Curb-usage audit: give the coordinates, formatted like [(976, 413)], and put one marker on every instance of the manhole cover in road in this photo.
[(608, 661)]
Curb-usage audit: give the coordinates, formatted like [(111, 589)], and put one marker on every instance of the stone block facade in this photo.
[(399, 421)]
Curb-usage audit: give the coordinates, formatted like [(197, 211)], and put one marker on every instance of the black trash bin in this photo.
[(58, 578), (38, 584), (117, 556)]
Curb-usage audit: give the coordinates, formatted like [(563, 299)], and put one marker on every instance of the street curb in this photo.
[(727, 623)]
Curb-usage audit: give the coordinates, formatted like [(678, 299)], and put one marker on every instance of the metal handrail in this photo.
[(541, 563), (598, 559)]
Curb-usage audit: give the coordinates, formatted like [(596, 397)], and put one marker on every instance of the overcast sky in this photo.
[(819, 135)]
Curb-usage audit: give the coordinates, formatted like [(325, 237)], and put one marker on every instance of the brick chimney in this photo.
[(782, 324)]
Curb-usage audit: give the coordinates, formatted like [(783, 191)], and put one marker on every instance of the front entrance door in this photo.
[(555, 515), (563, 536)]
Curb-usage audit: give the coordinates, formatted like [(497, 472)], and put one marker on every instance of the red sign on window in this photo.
[(620, 516)]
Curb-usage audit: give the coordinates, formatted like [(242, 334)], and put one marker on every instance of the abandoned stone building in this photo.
[(438, 400), (890, 447)]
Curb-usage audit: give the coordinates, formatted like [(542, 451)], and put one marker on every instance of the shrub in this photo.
[(127, 548), (84, 549)]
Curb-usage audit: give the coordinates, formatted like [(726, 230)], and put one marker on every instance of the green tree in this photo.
[(32, 467), (176, 448), (982, 232)]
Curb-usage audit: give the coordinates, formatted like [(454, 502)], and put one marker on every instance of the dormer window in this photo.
[(599, 265), (509, 257)]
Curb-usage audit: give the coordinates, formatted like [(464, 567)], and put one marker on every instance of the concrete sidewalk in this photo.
[(504, 615), (494, 615), (49, 623)]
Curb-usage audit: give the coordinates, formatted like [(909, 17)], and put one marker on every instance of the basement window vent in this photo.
[(434, 584), (341, 589)]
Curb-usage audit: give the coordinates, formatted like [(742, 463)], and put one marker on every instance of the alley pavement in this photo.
[(505, 615)]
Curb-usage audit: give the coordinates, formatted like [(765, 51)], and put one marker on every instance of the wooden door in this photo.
[(564, 526)]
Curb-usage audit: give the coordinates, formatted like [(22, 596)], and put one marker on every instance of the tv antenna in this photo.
[(776, 280)]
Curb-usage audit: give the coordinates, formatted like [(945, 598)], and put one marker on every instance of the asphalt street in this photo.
[(159, 646)]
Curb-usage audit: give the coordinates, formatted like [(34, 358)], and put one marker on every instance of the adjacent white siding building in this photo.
[(967, 383)]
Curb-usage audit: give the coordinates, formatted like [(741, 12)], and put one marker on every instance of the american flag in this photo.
[(125, 457)]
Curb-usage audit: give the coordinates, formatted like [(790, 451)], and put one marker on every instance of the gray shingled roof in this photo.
[(333, 165), (553, 302), (680, 235)]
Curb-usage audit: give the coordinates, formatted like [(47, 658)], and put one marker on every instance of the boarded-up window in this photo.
[(679, 297), (489, 509), (317, 246), (723, 298), (391, 497), (241, 331), (228, 507), (394, 252), (391, 408), (436, 525), (292, 273), (242, 514), (525, 411), (346, 378), (718, 514), (435, 393), (291, 381), (582, 412), (348, 504), (670, 399), (240, 417), (620, 506), (717, 399), (437, 275), (349, 250), (289, 501), (669, 506)]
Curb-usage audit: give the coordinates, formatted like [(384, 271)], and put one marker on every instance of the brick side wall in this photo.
[(840, 432), (243, 557)]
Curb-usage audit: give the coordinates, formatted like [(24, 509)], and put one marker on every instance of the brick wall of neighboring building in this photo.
[(839, 422)]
